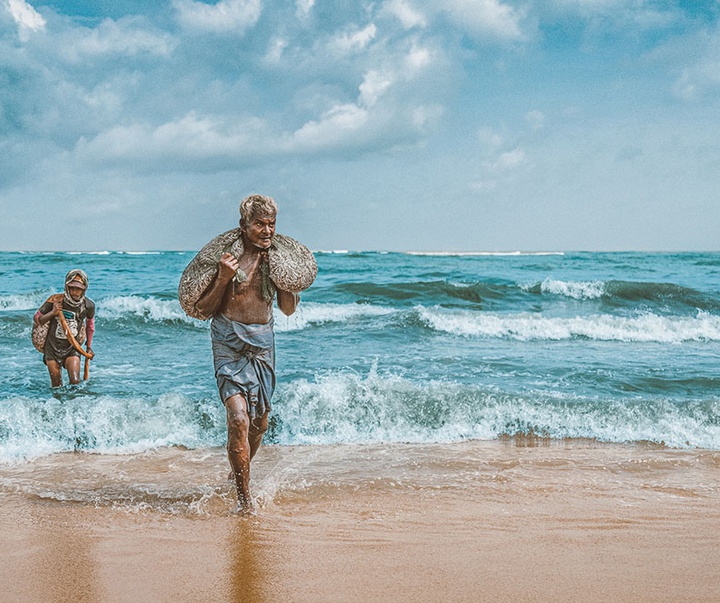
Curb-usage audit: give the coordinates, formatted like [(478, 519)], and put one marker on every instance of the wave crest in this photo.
[(21, 302), (346, 407), (309, 314), (573, 289), (644, 328), (148, 309)]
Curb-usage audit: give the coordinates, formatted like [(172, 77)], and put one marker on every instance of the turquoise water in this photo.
[(385, 347)]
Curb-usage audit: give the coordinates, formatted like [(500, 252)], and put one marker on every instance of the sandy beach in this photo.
[(478, 521)]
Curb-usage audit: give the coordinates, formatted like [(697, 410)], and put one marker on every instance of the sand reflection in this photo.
[(66, 558), (249, 571)]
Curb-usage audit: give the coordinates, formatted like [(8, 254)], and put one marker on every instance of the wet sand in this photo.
[(480, 521)]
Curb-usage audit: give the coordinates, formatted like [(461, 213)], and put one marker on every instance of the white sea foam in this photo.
[(346, 407), (146, 308), (310, 313), (104, 424), (104, 252), (573, 289), (484, 253), (140, 252), (28, 301), (643, 328)]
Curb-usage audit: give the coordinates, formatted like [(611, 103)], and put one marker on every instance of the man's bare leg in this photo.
[(72, 365), (55, 371), (258, 427), (257, 430), (238, 447)]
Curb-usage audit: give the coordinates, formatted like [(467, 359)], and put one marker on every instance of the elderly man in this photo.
[(242, 337), (76, 308)]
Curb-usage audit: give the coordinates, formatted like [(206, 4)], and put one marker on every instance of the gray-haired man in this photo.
[(243, 339)]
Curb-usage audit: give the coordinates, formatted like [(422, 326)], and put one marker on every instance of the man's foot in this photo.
[(245, 507)]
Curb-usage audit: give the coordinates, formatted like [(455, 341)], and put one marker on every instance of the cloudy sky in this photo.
[(495, 125)]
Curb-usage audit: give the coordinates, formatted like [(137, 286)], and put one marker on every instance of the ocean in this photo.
[(386, 349)]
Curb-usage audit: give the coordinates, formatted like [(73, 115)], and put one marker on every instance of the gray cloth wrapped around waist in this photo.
[(244, 358)]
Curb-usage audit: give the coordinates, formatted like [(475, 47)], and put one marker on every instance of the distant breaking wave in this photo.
[(21, 302), (575, 290), (153, 310), (146, 309), (644, 328), (663, 294), (483, 253), (315, 314)]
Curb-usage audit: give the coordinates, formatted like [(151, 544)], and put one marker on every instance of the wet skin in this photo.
[(244, 302), (72, 363)]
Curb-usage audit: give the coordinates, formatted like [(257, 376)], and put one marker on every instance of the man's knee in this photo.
[(238, 422), (259, 425), (237, 416), (54, 370)]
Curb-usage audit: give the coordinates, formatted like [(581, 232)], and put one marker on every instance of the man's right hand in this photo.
[(227, 267)]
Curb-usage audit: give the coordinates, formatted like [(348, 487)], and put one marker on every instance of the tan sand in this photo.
[(578, 522)]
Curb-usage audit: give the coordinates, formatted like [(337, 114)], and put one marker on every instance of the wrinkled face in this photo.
[(75, 292), (259, 230)]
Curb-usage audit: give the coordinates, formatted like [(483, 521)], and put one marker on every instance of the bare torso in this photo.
[(244, 302)]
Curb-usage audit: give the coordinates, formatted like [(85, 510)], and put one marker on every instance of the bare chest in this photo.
[(244, 302)]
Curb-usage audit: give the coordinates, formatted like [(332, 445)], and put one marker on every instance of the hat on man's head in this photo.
[(77, 282), (76, 278)]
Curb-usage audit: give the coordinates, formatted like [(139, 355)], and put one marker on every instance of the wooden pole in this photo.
[(71, 338)]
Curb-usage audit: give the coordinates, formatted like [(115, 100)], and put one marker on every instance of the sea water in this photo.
[(384, 348)]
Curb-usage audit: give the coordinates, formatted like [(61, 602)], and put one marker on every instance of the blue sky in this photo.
[(476, 125)]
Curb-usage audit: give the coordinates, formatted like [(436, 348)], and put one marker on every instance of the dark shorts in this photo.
[(244, 358), (57, 353)]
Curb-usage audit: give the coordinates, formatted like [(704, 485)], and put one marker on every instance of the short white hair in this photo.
[(256, 205)]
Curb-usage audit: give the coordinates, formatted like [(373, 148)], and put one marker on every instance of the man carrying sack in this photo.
[(234, 280), (60, 327)]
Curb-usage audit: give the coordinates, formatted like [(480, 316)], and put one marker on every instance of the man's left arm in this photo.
[(287, 302), (89, 327)]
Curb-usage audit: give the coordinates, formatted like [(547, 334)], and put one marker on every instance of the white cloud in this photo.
[(489, 138), (485, 18), (509, 160), (224, 16), (190, 138), (303, 7), (276, 50), (334, 127), (407, 15), (26, 17), (704, 74), (604, 14), (417, 59), (535, 119), (374, 86), (356, 40), (697, 79), (422, 116), (199, 142), (126, 37)]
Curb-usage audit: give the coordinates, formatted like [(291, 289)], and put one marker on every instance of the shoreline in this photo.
[(475, 521)]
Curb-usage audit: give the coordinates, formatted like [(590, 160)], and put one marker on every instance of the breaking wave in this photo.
[(348, 407), (644, 328)]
